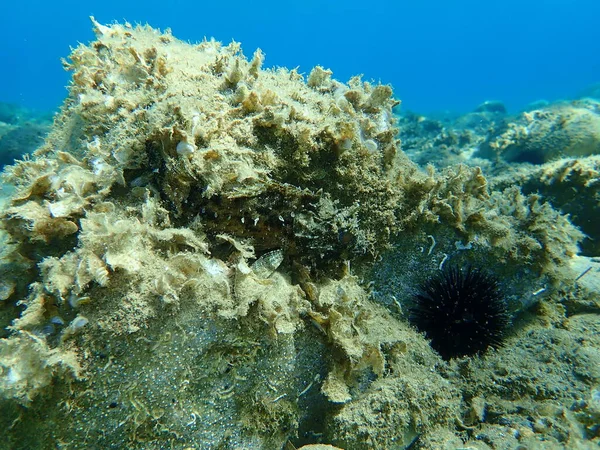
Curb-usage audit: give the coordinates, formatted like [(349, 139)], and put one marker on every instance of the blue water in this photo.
[(438, 55)]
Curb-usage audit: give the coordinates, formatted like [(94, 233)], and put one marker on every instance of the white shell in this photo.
[(185, 148), (371, 145)]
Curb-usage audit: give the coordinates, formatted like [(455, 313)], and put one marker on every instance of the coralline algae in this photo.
[(206, 229)]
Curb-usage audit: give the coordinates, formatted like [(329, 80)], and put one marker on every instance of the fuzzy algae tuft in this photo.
[(192, 249)]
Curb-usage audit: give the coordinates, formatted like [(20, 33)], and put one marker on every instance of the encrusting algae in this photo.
[(209, 254)]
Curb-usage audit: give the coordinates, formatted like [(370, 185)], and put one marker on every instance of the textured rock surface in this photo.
[(543, 135)]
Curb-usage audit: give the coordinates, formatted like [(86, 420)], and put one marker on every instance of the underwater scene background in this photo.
[(364, 226), (438, 55)]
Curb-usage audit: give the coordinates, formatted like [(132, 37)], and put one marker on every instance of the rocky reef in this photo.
[(550, 149), (205, 253)]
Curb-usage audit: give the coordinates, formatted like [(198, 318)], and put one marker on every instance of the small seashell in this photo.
[(268, 263), (75, 326), (78, 323), (215, 267), (82, 301), (185, 148), (346, 144), (57, 320), (100, 275), (73, 300), (243, 268), (370, 145)]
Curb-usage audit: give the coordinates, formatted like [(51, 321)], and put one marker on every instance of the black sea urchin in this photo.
[(463, 312)]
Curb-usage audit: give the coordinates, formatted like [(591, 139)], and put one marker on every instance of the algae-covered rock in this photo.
[(209, 254), (28, 365), (542, 135), (569, 184)]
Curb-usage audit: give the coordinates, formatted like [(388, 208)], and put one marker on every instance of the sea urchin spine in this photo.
[(462, 312)]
